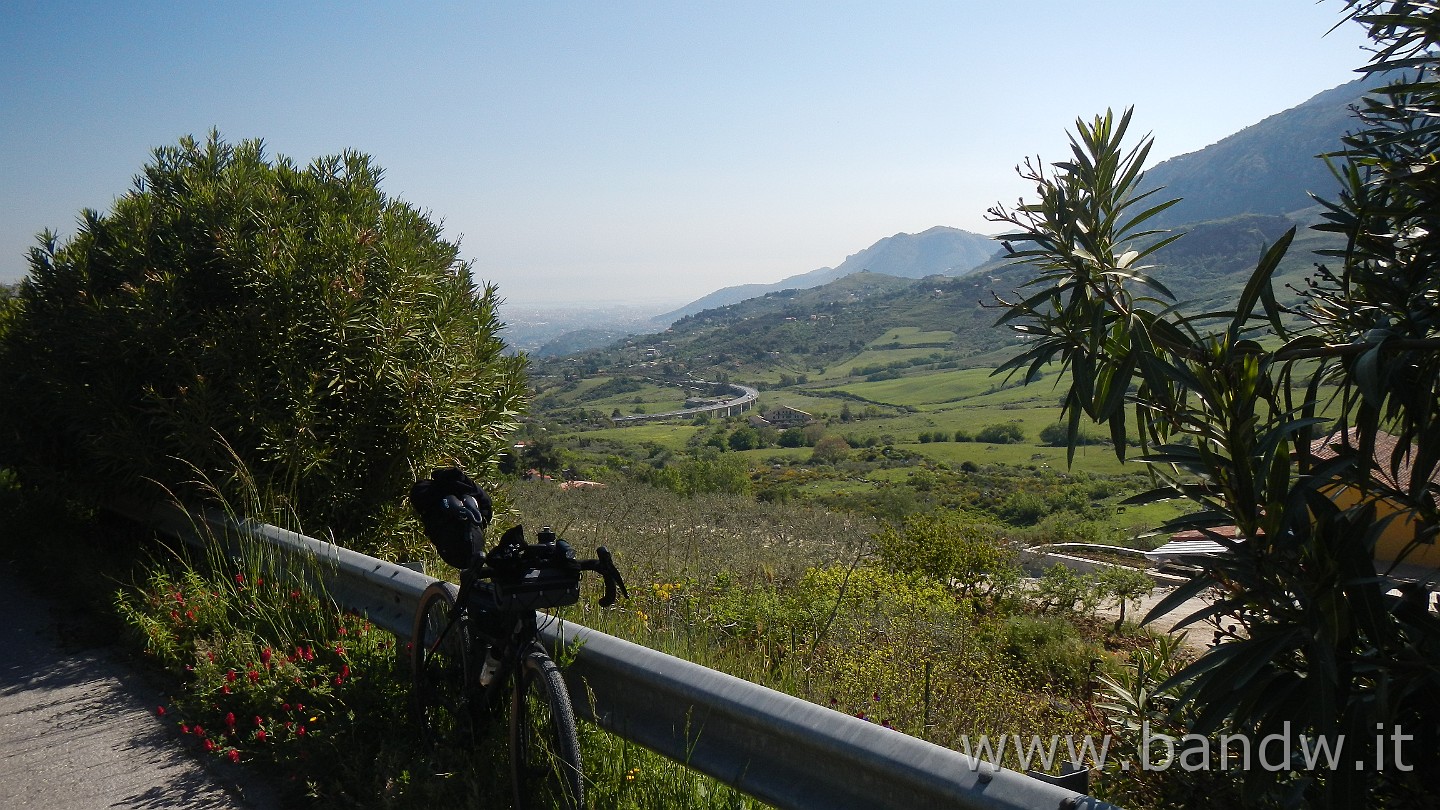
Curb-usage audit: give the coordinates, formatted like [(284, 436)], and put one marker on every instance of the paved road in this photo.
[(77, 731)]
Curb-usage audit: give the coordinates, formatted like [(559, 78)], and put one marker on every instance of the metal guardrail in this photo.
[(780, 749)]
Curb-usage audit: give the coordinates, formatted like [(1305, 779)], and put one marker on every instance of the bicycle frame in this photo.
[(491, 624)]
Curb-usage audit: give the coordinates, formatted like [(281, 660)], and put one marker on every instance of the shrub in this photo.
[(707, 474), (230, 307), (1057, 435), (1047, 649), (968, 555), (1008, 433)]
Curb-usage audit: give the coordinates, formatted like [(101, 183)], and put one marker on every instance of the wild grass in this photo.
[(803, 603)]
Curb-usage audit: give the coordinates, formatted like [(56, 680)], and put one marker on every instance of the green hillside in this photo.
[(881, 327), (896, 375)]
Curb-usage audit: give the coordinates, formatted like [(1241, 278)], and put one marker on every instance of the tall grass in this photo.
[(266, 669), (797, 600)]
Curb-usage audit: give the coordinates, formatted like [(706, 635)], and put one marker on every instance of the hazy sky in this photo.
[(652, 152)]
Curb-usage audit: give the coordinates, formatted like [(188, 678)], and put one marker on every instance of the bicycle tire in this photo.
[(439, 666), (544, 747)]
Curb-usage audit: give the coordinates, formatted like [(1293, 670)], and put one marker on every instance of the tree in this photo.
[(1124, 584), (1312, 637), (232, 316), (829, 450), (744, 438)]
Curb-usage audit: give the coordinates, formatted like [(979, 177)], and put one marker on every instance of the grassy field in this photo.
[(912, 446), (913, 336)]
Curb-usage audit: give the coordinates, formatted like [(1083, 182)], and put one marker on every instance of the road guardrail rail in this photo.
[(780, 749)]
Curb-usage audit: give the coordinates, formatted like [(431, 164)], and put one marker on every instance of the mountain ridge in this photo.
[(1266, 169), (904, 255)]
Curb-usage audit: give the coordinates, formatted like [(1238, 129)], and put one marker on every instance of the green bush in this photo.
[(1057, 435), (1008, 433), (970, 556), (1048, 650), (703, 475), (233, 308)]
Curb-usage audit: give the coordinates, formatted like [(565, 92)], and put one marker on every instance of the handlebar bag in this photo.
[(532, 577)]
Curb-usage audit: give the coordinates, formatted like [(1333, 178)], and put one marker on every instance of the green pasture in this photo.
[(577, 395), (870, 357), (920, 390), (672, 435), (912, 336), (654, 398)]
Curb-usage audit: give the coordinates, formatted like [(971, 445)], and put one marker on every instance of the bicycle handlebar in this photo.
[(604, 565), (511, 552)]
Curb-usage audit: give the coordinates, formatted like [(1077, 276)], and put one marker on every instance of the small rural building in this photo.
[(782, 417)]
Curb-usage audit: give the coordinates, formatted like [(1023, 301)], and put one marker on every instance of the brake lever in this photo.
[(606, 567)]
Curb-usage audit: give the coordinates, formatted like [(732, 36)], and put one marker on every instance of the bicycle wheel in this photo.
[(544, 748), (439, 659)]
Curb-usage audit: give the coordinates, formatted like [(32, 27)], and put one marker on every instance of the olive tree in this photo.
[(1314, 638), (234, 316)]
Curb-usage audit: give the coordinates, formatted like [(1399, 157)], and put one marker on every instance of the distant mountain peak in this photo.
[(940, 250)]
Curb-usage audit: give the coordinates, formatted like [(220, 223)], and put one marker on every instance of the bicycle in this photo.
[(474, 646)]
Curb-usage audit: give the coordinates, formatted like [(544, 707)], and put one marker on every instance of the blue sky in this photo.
[(640, 151)]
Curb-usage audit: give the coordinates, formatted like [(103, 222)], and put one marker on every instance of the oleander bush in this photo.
[(232, 307)]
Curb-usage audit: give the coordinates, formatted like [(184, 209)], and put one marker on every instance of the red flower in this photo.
[(240, 580), (258, 721), (225, 689), (285, 706), (184, 729), (160, 711), (344, 670), (190, 614), (209, 745), (230, 676), (260, 735), (265, 656), (300, 731), (230, 719), (339, 649), (253, 676), (234, 755), (199, 732), (343, 631)]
